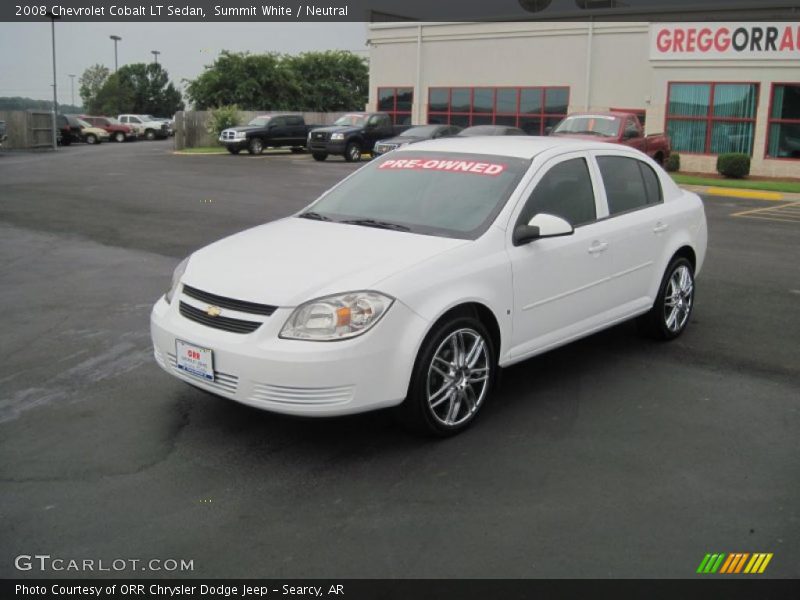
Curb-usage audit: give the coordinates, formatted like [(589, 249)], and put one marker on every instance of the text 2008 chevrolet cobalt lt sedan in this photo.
[(414, 279)]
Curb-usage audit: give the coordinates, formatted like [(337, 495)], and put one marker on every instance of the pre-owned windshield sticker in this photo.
[(453, 166)]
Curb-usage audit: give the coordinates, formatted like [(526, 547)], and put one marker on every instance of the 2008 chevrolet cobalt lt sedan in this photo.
[(413, 280)]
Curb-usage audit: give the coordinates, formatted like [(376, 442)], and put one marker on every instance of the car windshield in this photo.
[(424, 131), (259, 122), (83, 123), (433, 193), (149, 118), (601, 125), (354, 120)]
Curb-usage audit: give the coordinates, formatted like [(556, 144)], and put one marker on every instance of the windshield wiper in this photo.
[(313, 215), (377, 224)]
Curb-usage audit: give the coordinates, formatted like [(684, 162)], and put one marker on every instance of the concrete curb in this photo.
[(742, 193)]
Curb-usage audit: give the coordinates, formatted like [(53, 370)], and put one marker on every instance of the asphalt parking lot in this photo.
[(612, 457)]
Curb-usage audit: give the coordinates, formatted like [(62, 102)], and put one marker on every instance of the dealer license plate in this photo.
[(195, 360)]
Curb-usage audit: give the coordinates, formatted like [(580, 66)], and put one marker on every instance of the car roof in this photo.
[(520, 146)]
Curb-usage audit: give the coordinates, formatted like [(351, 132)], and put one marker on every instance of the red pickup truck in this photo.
[(115, 129), (615, 127)]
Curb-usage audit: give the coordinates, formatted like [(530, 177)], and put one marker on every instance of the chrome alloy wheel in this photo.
[(458, 377), (678, 299)]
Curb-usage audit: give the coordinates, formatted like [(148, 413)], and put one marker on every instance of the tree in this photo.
[(313, 81), (91, 81), (138, 88)]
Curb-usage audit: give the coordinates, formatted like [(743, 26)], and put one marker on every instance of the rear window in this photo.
[(600, 125), (433, 193)]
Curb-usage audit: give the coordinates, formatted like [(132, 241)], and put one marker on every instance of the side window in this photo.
[(629, 183), (374, 120), (123, 119), (277, 122), (135, 120), (293, 121), (565, 191)]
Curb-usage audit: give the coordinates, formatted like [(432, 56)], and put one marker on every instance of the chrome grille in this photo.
[(232, 303), (319, 135), (224, 323)]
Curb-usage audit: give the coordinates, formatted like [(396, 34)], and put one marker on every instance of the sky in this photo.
[(26, 52)]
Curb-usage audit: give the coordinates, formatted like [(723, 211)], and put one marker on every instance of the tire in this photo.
[(352, 153), (659, 158), (91, 139), (256, 146), (119, 137), (448, 389), (234, 150), (66, 141), (149, 135), (319, 156), (672, 309)]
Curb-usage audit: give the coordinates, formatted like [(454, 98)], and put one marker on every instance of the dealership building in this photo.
[(713, 87)]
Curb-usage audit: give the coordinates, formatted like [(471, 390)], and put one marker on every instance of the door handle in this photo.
[(660, 227), (598, 247)]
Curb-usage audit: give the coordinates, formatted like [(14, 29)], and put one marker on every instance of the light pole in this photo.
[(52, 16), (155, 54), (116, 38), (72, 87)]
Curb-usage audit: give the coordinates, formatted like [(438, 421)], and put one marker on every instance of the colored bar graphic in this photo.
[(734, 563)]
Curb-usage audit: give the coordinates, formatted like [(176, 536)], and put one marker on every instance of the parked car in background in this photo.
[(145, 126), (410, 283), (70, 128), (352, 135), (117, 131), (615, 127), (491, 130), (91, 134), (3, 136), (267, 131), (413, 135)]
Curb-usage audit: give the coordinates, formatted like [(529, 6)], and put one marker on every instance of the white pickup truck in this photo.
[(146, 126)]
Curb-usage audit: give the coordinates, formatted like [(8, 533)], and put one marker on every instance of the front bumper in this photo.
[(241, 144), (336, 148), (297, 377)]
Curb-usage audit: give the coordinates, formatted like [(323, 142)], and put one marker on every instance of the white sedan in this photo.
[(413, 280)]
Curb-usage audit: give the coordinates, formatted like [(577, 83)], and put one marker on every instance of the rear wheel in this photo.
[(256, 146), (319, 156), (659, 158), (673, 306), (452, 378), (352, 152)]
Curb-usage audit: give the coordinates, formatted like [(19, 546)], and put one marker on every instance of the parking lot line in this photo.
[(751, 194), (786, 213)]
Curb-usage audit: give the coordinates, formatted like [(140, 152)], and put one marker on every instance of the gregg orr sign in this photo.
[(724, 41)]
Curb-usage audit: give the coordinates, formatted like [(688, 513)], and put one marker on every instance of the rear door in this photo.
[(296, 130), (641, 223)]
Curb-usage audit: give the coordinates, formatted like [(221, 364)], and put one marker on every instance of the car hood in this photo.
[(290, 261), (338, 129), (401, 139), (586, 136), (94, 130)]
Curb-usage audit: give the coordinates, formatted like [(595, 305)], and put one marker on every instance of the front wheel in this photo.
[(91, 139), (352, 152), (256, 146), (150, 135), (452, 378), (319, 156), (119, 137), (673, 306)]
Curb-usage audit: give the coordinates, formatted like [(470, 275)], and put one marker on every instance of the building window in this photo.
[(532, 109), (712, 118), (783, 137), (397, 102)]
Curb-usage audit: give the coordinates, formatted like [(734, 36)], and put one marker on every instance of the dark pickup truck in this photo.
[(268, 131), (352, 135), (616, 127), (2, 133)]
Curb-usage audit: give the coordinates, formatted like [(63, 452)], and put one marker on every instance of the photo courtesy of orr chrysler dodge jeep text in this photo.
[(410, 282)]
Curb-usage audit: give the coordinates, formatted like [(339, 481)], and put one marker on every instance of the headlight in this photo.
[(337, 136), (337, 317), (176, 279), (241, 135)]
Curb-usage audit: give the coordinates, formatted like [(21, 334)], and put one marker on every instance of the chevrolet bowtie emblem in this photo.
[(213, 311)]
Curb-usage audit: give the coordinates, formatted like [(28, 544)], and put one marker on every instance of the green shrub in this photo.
[(673, 162), (733, 164), (223, 118)]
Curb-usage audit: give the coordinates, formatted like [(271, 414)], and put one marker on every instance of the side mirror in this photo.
[(542, 225)]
